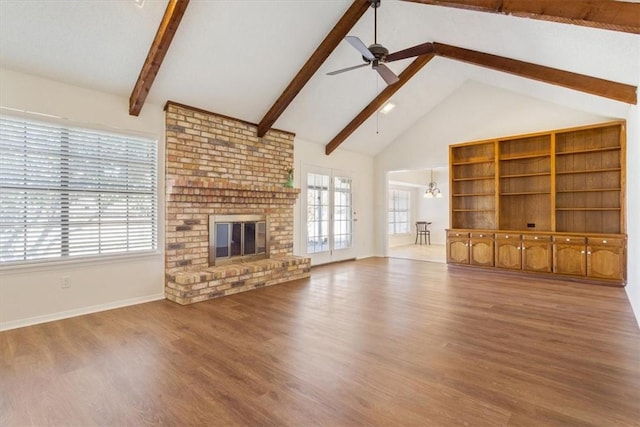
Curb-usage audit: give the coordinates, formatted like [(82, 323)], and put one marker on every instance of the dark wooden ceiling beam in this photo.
[(593, 85), (167, 29), (378, 102), (605, 14), (330, 42)]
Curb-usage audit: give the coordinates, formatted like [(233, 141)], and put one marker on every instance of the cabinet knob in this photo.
[(519, 248), (535, 238), (482, 235), (524, 249), (589, 253), (581, 252), (604, 241), (506, 237), (457, 234), (568, 240)]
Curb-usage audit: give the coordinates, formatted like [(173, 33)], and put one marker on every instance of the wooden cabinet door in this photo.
[(536, 256), (458, 250), (481, 251), (509, 253), (605, 262), (569, 259)]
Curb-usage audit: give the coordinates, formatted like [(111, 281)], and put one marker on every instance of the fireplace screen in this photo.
[(237, 238)]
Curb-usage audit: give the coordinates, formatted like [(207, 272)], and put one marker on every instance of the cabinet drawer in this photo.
[(575, 240), (536, 238), (452, 233), (508, 236), (605, 241), (482, 235)]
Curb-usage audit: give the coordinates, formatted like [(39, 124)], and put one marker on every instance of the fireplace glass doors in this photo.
[(237, 238)]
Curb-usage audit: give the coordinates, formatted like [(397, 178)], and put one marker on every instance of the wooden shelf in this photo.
[(587, 209), (525, 193), (477, 178), (473, 210), (590, 150), (525, 156), (473, 162), (589, 190), (524, 175), (473, 194), (576, 172)]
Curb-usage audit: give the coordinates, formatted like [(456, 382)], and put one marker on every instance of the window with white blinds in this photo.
[(68, 192)]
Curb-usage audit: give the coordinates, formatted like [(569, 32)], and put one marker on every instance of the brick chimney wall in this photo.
[(218, 165)]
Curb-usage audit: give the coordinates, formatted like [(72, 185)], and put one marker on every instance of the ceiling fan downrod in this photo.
[(375, 4)]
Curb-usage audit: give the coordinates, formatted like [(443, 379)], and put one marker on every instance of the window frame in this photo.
[(393, 210), (151, 196)]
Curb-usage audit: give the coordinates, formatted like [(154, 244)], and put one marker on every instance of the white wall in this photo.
[(34, 295), (633, 205), (360, 167), (477, 111)]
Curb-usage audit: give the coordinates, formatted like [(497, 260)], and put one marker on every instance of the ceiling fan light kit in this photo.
[(377, 55)]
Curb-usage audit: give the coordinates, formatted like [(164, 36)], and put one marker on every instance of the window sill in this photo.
[(53, 265)]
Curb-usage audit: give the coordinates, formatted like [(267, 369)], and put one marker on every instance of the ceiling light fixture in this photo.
[(387, 108), (432, 190)]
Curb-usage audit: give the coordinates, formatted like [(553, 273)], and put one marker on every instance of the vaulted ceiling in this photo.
[(238, 57)]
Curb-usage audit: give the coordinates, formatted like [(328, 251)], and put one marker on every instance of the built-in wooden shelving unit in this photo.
[(568, 181)]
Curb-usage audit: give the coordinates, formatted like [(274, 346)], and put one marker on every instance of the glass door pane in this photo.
[(317, 213), (342, 213), (328, 215)]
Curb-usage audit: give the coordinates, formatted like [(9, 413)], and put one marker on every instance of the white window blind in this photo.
[(69, 192)]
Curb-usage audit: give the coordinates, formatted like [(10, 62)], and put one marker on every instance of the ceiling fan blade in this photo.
[(333, 73), (417, 50), (386, 74), (361, 47)]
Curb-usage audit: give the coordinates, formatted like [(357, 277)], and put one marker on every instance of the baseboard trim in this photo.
[(30, 321)]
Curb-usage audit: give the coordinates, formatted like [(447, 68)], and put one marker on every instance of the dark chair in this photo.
[(422, 230)]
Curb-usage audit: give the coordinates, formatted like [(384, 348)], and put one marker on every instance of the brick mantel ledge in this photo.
[(204, 190), (177, 186)]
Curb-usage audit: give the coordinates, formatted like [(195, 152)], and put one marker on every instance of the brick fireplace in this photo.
[(216, 165)]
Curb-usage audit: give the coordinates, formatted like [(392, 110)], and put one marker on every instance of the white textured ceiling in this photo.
[(236, 57)]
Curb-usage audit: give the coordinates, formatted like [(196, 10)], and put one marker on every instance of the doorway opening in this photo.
[(407, 205)]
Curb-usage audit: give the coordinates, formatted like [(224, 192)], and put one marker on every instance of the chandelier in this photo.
[(432, 190)]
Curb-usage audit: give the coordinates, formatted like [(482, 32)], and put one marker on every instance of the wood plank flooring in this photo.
[(381, 342)]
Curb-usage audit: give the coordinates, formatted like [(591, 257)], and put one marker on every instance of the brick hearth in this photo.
[(218, 165)]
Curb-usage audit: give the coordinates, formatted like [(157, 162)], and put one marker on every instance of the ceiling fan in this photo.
[(376, 55)]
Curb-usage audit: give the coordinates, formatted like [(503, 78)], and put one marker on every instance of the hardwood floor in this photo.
[(374, 342), (432, 253)]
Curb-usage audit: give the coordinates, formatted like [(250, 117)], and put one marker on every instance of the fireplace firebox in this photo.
[(237, 238)]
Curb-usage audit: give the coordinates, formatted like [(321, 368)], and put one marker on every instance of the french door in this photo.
[(327, 215)]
